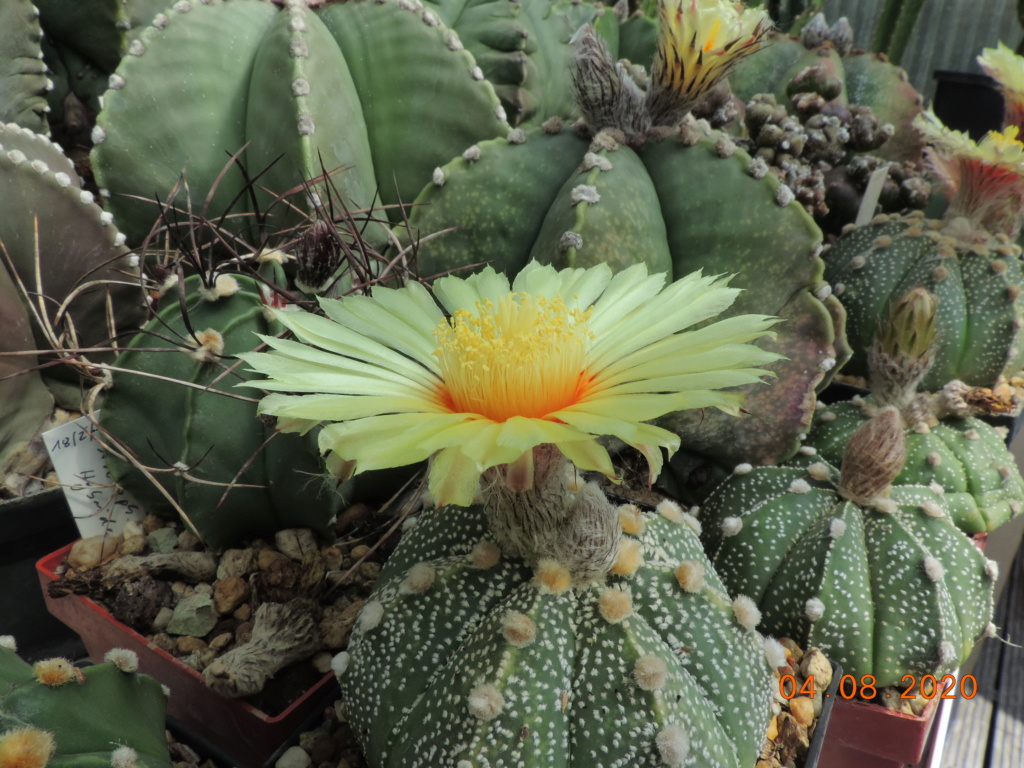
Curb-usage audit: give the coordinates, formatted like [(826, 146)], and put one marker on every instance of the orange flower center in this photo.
[(520, 357)]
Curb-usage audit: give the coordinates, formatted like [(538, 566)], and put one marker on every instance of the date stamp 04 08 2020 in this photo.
[(849, 687)]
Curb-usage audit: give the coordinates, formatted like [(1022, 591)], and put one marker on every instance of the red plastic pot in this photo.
[(247, 735), (866, 735)]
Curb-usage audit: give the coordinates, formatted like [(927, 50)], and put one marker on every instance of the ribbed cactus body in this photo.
[(884, 593), (478, 665), (967, 458), (552, 196), (384, 90), (22, 71), (977, 285), (95, 711), (200, 442)]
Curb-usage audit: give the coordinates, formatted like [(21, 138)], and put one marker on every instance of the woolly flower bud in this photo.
[(874, 457), (54, 672), (27, 747), (123, 658)]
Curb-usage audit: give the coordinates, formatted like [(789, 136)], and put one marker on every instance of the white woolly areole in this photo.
[(476, 73), (808, 450), (137, 48), (223, 286), (731, 526), (86, 198), (339, 664), (784, 195), (886, 506), (418, 580), (827, 416), (39, 166), (742, 469), (16, 156), (298, 48), (160, 21), (593, 160), (570, 239), (774, 653), (124, 757), (472, 154), (669, 510), (584, 193), (933, 568), (8, 642), (371, 615), (300, 86), (758, 168), (438, 177), (182, 6), (452, 41), (516, 135), (799, 486), (725, 147), (814, 608), (691, 522), (650, 672), (937, 489), (947, 653), (990, 630), (690, 575), (518, 629), (119, 239), (106, 218), (746, 612), (819, 471), (837, 528), (305, 125), (992, 569), (499, 112), (296, 23), (62, 179), (124, 659), (827, 364), (485, 554), (673, 745), (485, 702), (615, 605), (932, 509)]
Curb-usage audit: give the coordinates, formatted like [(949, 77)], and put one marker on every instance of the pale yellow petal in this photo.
[(626, 291), (385, 325), (381, 442), (341, 407), (454, 478), (588, 456), (456, 293)]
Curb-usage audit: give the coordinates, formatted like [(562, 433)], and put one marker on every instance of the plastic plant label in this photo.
[(97, 504)]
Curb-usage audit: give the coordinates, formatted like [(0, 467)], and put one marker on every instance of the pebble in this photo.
[(294, 757), (816, 664), (337, 622), (243, 612), (188, 542), (194, 616), (163, 618), (162, 541), (243, 632), (133, 545), (322, 662), (351, 517), (359, 552), (802, 709), (236, 562), (296, 543), (332, 556), (229, 594), (222, 641), (152, 523), (189, 644), (90, 552)]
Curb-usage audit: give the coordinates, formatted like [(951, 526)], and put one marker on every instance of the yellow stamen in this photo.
[(520, 357)]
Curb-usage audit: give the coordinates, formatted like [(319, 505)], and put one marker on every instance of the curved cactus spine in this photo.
[(65, 250), (317, 85), (459, 646), (54, 713), (552, 196), (887, 588), (22, 71), (185, 442)]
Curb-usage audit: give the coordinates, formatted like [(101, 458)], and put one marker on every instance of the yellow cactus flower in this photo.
[(699, 41), (1007, 69), (556, 358), (985, 180)]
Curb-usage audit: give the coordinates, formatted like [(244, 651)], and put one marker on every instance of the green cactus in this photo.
[(875, 575), (552, 196), (54, 714), (382, 89), (65, 252), (23, 81), (523, 49), (463, 656), (976, 279), (172, 409)]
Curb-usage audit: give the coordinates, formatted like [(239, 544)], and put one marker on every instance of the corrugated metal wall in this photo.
[(948, 35)]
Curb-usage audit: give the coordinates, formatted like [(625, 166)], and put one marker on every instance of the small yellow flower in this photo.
[(985, 180), (556, 358), (1007, 69), (26, 747), (699, 41)]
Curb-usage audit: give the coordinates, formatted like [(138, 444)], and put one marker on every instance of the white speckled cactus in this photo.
[(466, 657), (876, 576)]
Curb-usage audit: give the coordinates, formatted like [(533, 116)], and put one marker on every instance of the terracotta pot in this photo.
[(237, 729)]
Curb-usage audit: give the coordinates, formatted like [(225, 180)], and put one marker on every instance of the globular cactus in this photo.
[(64, 254), (553, 196), (947, 448), (875, 575), (185, 441), (384, 90), (22, 71), (523, 47), (464, 656), (968, 260), (103, 716)]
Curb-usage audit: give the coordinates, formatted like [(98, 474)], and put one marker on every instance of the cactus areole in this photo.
[(542, 625)]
